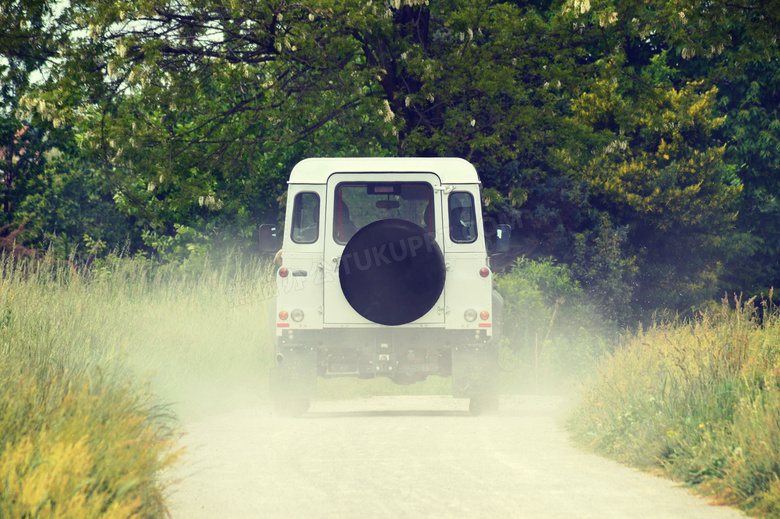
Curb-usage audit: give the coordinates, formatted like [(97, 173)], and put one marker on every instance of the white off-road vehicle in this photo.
[(385, 273)]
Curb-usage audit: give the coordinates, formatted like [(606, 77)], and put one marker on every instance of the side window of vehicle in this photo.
[(463, 220), (306, 218)]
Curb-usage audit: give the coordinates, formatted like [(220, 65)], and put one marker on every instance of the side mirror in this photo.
[(269, 241), (503, 237)]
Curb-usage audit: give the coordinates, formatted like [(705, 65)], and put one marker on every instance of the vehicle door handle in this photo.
[(299, 273)]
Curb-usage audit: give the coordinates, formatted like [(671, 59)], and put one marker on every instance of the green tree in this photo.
[(659, 170), (44, 181), (181, 101), (596, 125), (731, 49), (194, 112), (752, 133), (24, 47)]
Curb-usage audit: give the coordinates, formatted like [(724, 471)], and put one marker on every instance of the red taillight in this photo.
[(484, 272), (283, 315), (283, 272), (484, 315)]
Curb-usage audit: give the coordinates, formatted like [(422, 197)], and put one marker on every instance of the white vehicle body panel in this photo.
[(313, 282), (297, 290)]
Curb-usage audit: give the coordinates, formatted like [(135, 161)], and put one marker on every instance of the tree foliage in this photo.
[(658, 169), (637, 142)]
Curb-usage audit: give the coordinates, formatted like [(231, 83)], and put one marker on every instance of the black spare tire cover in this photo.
[(392, 272)]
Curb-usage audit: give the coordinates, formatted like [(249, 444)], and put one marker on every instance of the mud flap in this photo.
[(294, 373), (474, 371)]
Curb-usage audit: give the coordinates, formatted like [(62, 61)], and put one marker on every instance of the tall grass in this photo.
[(74, 445), (699, 400), (89, 362), (189, 333)]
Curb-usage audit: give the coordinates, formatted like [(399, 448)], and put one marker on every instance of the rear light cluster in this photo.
[(296, 315), (470, 315)]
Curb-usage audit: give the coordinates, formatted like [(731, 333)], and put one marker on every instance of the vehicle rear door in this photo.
[(343, 190)]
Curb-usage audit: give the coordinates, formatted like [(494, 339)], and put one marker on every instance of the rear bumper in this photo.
[(351, 338), (399, 353)]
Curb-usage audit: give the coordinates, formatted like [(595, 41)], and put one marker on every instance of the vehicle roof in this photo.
[(318, 170)]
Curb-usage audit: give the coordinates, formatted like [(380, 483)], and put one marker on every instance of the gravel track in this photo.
[(418, 456)]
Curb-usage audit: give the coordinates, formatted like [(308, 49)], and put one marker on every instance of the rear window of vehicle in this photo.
[(305, 218), (361, 203), (463, 220)]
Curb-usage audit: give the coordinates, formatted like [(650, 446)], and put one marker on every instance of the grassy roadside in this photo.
[(699, 401), (95, 367), (98, 369), (76, 446)]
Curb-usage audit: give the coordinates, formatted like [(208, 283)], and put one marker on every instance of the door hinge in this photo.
[(444, 189)]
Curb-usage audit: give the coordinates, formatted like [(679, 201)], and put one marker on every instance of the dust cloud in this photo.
[(200, 348)]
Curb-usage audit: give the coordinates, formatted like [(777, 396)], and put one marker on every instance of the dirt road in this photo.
[(412, 457)]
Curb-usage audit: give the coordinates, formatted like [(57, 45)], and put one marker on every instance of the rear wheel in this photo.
[(475, 373), (293, 379)]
